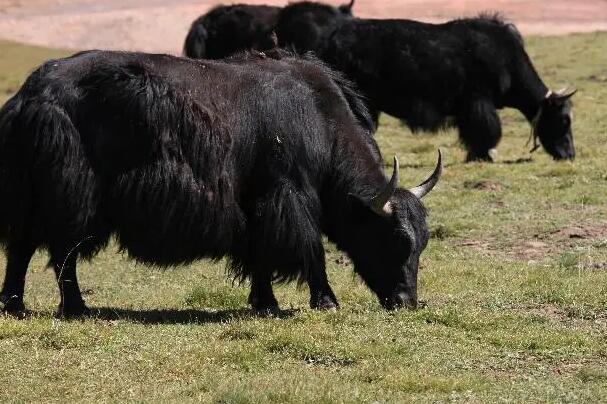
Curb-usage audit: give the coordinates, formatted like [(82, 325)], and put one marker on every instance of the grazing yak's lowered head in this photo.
[(386, 248), (552, 125), (304, 26)]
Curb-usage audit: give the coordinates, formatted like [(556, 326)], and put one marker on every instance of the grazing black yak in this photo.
[(434, 76), (251, 158), (225, 30)]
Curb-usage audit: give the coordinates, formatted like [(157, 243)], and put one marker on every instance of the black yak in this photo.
[(225, 30), (434, 76), (251, 158)]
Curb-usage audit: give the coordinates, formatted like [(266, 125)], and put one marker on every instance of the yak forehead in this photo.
[(558, 109), (411, 217)]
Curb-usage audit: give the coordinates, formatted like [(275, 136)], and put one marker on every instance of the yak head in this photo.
[(552, 125), (390, 235), (305, 25)]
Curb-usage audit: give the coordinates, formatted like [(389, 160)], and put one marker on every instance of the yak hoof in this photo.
[(324, 303), (482, 157), (266, 310), (263, 304), (264, 307), (73, 311), (12, 304)]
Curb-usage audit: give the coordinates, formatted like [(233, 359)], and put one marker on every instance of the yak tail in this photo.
[(195, 42), (8, 112), (34, 134)]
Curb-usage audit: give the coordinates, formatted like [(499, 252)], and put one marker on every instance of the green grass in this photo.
[(515, 278)]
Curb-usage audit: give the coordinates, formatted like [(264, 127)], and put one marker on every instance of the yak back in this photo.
[(435, 67)]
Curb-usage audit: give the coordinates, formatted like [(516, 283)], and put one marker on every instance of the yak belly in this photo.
[(165, 216)]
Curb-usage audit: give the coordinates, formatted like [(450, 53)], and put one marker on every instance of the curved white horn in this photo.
[(422, 189), (379, 203), (565, 92)]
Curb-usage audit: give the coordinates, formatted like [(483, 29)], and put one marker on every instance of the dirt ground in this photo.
[(161, 25)]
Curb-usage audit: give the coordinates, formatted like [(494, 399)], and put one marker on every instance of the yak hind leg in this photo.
[(19, 255), (480, 129), (71, 304)]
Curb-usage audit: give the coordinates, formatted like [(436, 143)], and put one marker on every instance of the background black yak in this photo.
[(229, 29), (434, 76), (250, 158)]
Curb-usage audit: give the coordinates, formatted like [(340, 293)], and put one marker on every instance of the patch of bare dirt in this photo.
[(161, 25), (484, 185), (549, 311), (587, 231), (571, 317), (543, 245)]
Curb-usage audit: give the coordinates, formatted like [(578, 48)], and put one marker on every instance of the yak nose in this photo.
[(403, 299)]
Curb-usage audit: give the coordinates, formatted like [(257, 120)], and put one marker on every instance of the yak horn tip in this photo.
[(422, 189)]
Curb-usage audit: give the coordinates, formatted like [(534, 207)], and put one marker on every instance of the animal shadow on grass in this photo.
[(164, 316), (184, 316), (522, 160)]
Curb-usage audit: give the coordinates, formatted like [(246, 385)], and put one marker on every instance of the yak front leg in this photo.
[(480, 129), (262, 296), (321, 294)]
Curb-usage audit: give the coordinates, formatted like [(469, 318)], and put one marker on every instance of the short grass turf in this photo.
[(515, 279)]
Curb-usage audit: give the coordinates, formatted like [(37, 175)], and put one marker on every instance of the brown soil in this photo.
[(544, 245), (483, 185), (161, 25)]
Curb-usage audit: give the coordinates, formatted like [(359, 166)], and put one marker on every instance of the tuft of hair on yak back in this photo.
[(347, 88), (497, 19), (350, 92)]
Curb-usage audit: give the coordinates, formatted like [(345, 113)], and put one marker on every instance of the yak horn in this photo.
[(422, 189), (565, 92), (379, 203)]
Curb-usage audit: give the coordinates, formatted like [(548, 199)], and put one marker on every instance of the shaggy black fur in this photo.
[(435, 76), (225, 30), (252, 158), (228, 29)]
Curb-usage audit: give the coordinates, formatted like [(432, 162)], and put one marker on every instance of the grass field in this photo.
[(515, 279)]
